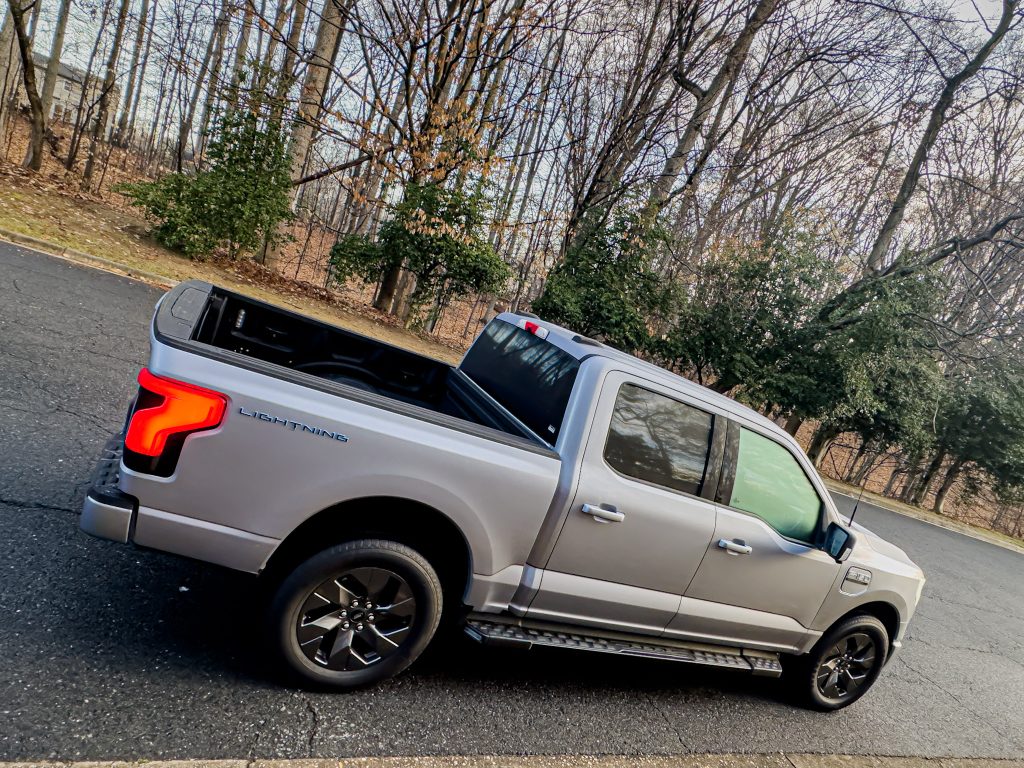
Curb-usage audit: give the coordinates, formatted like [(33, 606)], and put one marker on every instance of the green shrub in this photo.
[(605, 286), (435, 233), (236, 202)]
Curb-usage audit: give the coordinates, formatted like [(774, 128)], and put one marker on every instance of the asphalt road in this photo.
[(111, 652)]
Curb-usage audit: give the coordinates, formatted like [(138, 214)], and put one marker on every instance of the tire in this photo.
[(842, 666), (323, 631)]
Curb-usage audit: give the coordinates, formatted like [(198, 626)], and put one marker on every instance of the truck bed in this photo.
[(218, 319)]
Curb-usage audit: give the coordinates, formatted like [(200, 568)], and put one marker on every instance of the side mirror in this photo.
[(838, 542)]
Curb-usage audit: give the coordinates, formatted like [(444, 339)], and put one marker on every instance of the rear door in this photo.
[(763, 559), (639, 525)]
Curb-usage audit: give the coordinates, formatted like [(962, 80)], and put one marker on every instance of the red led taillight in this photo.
[(181, 408)]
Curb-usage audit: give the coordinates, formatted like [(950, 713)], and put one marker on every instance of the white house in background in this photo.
[(67, 93)]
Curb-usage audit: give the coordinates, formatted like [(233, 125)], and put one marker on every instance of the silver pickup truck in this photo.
[(548, 491)]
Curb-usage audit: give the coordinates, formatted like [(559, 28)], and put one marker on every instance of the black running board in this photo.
[(491, 629)]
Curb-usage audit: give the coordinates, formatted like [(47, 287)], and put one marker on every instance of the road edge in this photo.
[(777, 760), (85, 259), (970, 531)]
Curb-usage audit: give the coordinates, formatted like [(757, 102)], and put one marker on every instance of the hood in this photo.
[(867, 537)]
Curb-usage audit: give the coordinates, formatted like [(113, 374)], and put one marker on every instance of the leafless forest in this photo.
[(885, 137)]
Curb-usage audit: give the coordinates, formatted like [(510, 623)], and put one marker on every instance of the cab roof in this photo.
[(582, 347)]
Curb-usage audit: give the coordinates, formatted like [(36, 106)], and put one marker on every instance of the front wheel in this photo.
[(355, 614), (843, 665)]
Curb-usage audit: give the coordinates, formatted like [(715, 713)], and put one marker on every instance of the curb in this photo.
[(70, 254), (978, 534), (568, 761)]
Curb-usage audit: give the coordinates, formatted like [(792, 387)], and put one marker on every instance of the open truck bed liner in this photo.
[(224, 325)]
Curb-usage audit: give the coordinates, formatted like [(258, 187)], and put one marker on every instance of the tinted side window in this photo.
[(659, 440), (771, 484)]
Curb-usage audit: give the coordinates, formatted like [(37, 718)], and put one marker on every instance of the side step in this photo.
[(492, 629)]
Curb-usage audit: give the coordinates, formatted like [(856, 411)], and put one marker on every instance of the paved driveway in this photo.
[(109, 652)]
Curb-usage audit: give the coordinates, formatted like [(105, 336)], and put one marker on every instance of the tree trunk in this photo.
[(185, 129), (924, 484), (291, 51), (823, 435), (82, 114), (388, 288), (876, 258), (128, 134), (706, 100), (266, 66), (10, 62), (320, 63), (893, 479), (851, 471), (129, 91), (163, 94), (305, 123), (34, 159), (640, 108), (33, 24), (866, 468), (947, 483), (406, 298), (793, 424), (56, 51), (100, 125), (913, 476), (241, 54), (363, 216), (211, 91)]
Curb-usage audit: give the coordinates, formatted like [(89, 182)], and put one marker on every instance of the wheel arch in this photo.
[(424, 528), (885, 612)]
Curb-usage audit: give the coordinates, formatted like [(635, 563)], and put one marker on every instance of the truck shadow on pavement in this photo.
[(192, 618)]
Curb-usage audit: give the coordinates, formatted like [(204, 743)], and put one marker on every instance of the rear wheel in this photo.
[(355, 614), (843, 665)]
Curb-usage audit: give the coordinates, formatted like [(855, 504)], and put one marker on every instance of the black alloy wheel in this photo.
[(356, 619), (842, 666), (845, 667), (355, 614)]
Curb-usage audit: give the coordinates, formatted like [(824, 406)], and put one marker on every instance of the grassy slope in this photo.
[(43, 208)]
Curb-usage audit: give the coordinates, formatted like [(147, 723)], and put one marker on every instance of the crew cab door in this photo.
[(762, 572), (638, 525)]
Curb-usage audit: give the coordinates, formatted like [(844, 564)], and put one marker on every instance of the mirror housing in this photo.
[(839, 542)]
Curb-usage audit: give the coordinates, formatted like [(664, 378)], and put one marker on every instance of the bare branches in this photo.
[(936, 119), (331, 170)]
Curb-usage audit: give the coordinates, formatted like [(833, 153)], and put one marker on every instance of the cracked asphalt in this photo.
[(108, 652)]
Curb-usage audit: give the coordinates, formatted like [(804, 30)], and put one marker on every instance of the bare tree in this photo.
[(332, 19), (56, 51), (10, 71), (192, 102), (241, 55), (34, 158), (99, 129), (936, 118), (127, 106), (706, 99), (127, 133)]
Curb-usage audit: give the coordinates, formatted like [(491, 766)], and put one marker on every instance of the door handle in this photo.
[(602, 515), (735, 547)]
